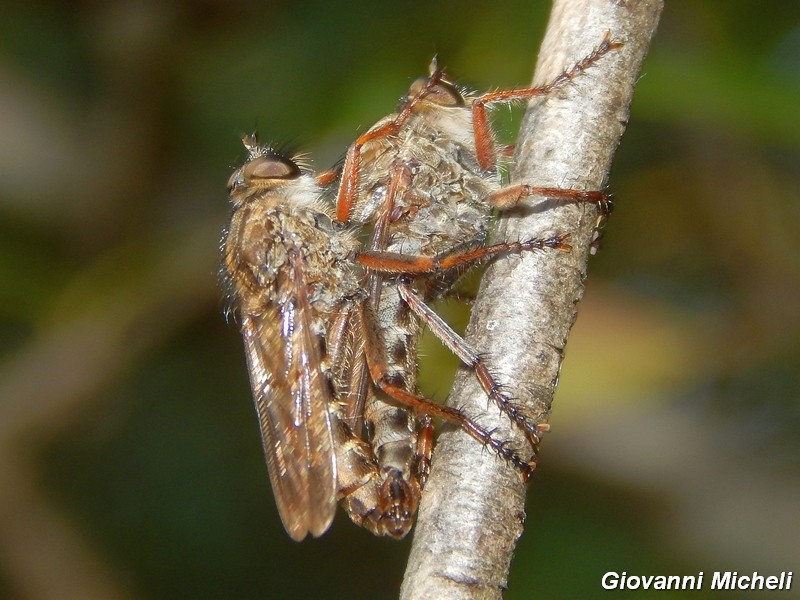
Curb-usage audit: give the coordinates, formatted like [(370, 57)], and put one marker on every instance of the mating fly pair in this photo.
[(331, 329)]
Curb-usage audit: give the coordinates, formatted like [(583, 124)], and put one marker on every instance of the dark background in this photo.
[(130, 463)]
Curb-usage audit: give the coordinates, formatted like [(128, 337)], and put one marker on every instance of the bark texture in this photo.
[(472, 511)]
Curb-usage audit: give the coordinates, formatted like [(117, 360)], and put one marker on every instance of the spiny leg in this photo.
[(348, 187), (399, 180), (395, 262), (511, 195), (424, 449), (471, 359), (484, 141), (376, 361)]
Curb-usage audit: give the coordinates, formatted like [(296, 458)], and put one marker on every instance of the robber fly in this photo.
[(426, 178), (298, 296)]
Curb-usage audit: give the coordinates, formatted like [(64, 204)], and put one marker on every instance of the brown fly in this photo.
[(299, 299), (426, 178), (329, 348)]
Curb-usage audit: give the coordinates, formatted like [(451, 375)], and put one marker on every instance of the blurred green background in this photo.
[(130, 463)]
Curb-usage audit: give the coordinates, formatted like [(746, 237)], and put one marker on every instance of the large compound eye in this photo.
[(442, 92), (235, 179), (446, 94), (263, 169)]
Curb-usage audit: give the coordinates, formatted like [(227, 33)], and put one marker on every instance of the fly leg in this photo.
[(473, 360), (382, 378), (484, 140), (395, 262), (509, 196), (348, 187)]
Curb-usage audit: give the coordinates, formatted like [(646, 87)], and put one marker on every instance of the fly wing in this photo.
[(291, 396)]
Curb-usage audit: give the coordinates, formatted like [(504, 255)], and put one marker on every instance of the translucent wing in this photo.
[(291, 396)]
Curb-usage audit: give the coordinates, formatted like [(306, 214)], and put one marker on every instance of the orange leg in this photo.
[(394, 262), (484, 142), (348, 187), (327, 177), (424, 449), (470, 358), (510, 196), (376, 362)]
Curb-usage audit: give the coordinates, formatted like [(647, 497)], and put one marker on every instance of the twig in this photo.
[(472, 511)]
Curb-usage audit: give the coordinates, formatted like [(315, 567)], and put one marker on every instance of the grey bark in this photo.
[(472, 511)]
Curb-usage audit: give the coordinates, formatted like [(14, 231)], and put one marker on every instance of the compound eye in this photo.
[(442, 92), (269, 167), (235, 179), (446, 94)]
